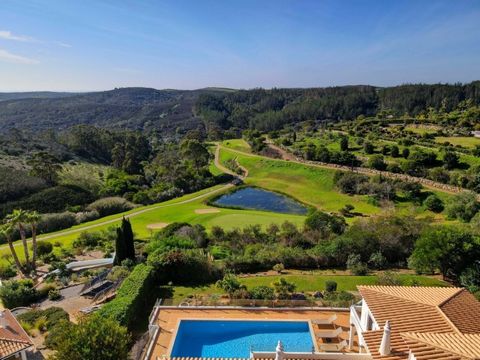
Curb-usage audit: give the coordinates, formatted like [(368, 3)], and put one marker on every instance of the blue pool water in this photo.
[(234, 339), (259, 199)]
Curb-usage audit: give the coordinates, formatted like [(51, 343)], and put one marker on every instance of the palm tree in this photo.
[(17, 218), (6, 232), (33, 218)]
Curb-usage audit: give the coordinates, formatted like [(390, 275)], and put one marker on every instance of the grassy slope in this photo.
[(311, 185), (465, 141)]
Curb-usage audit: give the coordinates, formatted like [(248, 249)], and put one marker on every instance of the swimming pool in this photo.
[(235, 338)]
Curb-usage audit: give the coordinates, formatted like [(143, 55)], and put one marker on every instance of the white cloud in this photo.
[(8, 35), (7, 56), (62, 44)]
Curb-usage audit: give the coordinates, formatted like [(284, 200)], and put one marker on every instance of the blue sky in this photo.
[(80, 45)]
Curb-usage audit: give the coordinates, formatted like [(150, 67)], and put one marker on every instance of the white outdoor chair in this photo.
[(326, 321), (333, 347)]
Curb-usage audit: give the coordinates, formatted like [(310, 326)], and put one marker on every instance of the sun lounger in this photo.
[(326, 321), (333, 347), (329, 333)]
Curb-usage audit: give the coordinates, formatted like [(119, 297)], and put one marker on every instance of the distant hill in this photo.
[(131, 108), (176, 111), (34, 95)]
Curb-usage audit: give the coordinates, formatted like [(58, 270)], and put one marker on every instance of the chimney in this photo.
[(3, 320), (385, 344), (279, 351)]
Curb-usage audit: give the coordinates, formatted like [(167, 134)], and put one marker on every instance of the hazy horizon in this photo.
[(226, 88), (52, 45)]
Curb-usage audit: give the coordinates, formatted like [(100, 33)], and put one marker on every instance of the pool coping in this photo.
[(177, 326)]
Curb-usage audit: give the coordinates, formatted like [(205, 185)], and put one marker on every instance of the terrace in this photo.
[(389, 323), (329, 328)]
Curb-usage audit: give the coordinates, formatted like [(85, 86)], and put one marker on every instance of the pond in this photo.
[(258, 199)]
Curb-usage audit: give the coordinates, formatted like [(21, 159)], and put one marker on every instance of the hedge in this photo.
[(132, 297)]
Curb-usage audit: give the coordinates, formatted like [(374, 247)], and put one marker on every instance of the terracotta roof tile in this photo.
[(12, 337), (433, 296), (463, 310), (404, 315), (464, 345)]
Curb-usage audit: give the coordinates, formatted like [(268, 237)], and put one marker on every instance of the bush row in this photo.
[(132, 297)]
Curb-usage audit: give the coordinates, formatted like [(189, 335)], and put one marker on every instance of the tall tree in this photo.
[(32, 218), (124, 246), (18, 218), (45, 166), (120, 249), (128, 238), (6, 231)]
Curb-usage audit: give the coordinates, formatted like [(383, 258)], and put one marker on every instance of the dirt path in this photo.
[(226, 170)]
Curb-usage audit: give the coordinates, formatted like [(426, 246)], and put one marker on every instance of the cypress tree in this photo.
[(120, 248), (128, 238)]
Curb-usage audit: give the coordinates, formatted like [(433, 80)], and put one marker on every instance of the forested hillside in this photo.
[(131, 108), (177, 111), (268, 110)]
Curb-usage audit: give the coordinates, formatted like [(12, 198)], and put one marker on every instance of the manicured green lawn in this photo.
[(237, 144), (304, 283), (171, 211), (313, 186), (344, 282)]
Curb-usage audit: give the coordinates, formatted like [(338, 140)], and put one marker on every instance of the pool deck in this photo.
[(168, 319)]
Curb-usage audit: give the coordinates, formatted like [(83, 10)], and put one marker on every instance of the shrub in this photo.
[(278, 268), (463, 206), (88, 240), (434, 203), (340, 299), (92, 338), (54, 295), (349, 183), (110, 205), (56, 221), (229, 284), (17, 183), (330, 286), (368, 148), (283, 288), (389, 278), (183, 267), (44, 248), (18, 293), (376, 162), (7, 271), (85, 216), (50, 200), (355, 265), (325, 223), (132, 297), (377, 260), (262, 293)]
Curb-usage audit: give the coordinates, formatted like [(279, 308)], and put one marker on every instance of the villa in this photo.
[(389, 323), (14, 341)]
